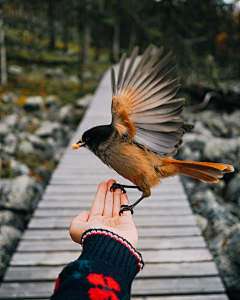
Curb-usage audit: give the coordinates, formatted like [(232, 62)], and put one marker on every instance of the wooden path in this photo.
[(178, 265)]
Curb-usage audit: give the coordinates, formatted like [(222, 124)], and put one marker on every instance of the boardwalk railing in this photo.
[(178, 266)]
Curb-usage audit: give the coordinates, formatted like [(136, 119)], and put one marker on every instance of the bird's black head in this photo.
[(96, 136)]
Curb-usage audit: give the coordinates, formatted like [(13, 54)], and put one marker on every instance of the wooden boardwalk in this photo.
[(178, 265)]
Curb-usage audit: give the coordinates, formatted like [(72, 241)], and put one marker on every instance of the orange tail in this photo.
[(205, 171)]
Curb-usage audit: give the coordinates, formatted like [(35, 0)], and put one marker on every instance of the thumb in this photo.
[(78, 226)]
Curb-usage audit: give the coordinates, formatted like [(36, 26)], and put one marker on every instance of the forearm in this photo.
[(106, 268)]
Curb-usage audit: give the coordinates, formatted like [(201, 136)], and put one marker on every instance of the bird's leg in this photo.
[(130, 207), (122, 187)]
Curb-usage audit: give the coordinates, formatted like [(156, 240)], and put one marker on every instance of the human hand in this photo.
[(104, 214)]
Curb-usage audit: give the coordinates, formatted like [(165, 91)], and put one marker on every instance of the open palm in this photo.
[(104, 214)]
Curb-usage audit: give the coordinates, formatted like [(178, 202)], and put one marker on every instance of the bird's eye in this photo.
[(87, 139)]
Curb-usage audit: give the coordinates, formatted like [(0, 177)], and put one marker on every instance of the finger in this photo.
[(108, 206), (99, 200), (125, 201), (116, 202)]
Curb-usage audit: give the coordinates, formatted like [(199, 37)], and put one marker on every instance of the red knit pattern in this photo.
[(104, 287), (57, 284)]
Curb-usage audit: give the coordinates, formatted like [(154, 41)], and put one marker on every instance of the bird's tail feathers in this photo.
[(204, 171)]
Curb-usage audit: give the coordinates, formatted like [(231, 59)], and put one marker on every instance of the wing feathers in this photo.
[(144, 96)]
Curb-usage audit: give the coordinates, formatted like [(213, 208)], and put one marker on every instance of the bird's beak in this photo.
[(79, 144)]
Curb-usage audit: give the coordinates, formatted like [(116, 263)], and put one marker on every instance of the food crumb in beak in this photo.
[(75, 146)]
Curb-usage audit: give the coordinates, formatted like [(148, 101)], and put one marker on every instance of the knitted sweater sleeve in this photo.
[(104, 270)]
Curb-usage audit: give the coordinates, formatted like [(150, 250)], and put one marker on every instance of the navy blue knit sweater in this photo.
[(105, 269)]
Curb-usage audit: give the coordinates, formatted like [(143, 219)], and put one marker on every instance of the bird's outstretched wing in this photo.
[(142, 104)]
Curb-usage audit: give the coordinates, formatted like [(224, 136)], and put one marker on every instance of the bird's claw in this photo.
[(117, 186), (126, 208)]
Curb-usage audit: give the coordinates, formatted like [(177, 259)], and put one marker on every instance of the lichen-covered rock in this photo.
[(11, 120), (52, 101), (4, 130), (25, 148), (10, 218), (9, 97), (233, 194), (10, 143), (18, 168), (222, 150), (18, 194), (33, 103), (49, 129), (83, 102), (66, 114)]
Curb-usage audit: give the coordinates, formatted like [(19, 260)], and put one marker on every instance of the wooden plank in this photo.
[(64, 222), (146, 287), (71, 212), (89, 188), (89, 180), (87, 204), (143, 244), (164, 196), (169, 270), (29, 290), (177, 286), (158, 256), (37, 234), (191, 297), (32, 273)]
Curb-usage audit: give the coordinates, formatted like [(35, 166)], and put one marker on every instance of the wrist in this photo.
[(106, 245)]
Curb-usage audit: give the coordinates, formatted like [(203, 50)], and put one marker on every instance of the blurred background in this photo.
[(53, 55)]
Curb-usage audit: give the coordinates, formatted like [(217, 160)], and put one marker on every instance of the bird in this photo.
[(146, 129)]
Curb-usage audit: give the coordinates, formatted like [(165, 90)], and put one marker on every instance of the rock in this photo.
[(233, 194), (4, 130), (33, 103), (202, 131), (9, 238), (49, 129), (74, 79), (66, 114), (8, 217), (50, 148), (22, 123), (185, 153), (52, 101), (10, 142), (18, 168), (205, 203), (15, 70), (58, 154), (25, 148), (18, 194), (9, 97), (201, 221), (11, 120), (83, 102), (43, 172), (222, 150), (36, 141), (87, 75)]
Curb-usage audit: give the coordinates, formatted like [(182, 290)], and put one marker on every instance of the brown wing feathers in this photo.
[(146, 96)]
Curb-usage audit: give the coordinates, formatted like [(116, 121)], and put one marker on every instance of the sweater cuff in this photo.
[(106, 245)]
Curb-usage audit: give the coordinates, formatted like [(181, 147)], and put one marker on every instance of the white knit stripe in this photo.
[(116, 237)]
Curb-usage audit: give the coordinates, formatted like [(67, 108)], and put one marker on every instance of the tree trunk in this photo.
[(133, 36), (3, 62), (51, 25), (116, 41), (86, 44)]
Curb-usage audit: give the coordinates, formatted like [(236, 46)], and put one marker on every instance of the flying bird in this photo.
[(146, 128)]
